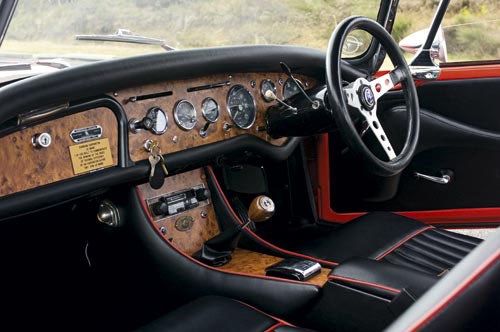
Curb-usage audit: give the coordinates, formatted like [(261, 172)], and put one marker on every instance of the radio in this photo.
[(179, 201)]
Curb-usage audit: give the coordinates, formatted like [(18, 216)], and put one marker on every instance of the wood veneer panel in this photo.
[(23, 167), (190, 139), (250, 262), (203, 228)]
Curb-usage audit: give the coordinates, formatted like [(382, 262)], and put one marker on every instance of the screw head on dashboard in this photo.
[(175, 139), (204, 214)]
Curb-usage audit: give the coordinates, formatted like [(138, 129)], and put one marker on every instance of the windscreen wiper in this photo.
[(125, 36)]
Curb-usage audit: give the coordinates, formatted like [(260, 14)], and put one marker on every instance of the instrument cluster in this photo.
[(189, 113)]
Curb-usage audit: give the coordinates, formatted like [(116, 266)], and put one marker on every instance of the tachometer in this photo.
[(185, 115), (210, 109), (290, 88), (241, 107), (267, 85)]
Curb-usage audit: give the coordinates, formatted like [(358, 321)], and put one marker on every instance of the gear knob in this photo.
[(261, 209)]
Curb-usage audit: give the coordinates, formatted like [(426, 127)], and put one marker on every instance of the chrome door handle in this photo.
[(443, 179)]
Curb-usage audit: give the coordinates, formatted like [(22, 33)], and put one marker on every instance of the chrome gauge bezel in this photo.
[(181, 123), (253, 102), (203, 109), (263, 93), (284, 87)]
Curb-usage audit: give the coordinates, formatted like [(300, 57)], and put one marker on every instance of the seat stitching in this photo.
[(403, 241)]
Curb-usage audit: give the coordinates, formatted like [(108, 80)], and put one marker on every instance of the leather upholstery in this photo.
[(394, 239), (381, 278), (466, 299), (433, 251), (214, 313)]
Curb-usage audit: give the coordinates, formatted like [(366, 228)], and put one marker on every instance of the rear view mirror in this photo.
[(414, 42)]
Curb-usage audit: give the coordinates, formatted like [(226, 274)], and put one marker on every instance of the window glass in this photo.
[(49, 27)]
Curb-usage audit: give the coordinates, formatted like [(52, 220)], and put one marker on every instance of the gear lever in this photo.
[(217, 251)]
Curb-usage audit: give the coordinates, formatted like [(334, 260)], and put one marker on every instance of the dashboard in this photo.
[(189, 113), (179, 115), (82, 130)]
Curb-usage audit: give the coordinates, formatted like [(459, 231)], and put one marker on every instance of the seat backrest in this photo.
[(466, 299)]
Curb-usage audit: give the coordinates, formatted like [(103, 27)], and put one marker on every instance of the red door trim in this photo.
[(451, 216)]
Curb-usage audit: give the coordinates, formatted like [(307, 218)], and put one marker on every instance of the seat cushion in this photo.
[(214, 313), (392, 238)]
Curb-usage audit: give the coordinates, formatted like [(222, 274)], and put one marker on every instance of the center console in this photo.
[(184, 213), (190, 211)]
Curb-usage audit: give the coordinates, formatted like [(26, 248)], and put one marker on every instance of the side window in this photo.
[(472, 33), (470, 30)]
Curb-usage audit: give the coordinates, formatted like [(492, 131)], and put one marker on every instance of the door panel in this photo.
[(460, 133)]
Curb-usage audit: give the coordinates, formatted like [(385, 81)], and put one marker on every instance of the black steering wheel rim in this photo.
[(338, 99)]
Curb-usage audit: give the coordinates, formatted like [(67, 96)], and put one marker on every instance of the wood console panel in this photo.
[(177, 139), (24, 167), (250, 262), (204, 228)]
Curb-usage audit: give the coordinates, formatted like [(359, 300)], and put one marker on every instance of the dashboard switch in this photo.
[(42, 140), (202, 194), (155, 121)]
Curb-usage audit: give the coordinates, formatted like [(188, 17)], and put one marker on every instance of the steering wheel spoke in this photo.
[(381, 85), (351, 96), (379, 132)]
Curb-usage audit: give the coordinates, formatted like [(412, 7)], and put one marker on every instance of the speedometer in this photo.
[(241, 107), (185, 115)]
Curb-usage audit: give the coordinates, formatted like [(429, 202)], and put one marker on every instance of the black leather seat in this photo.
[(391, 238), (215, 313)]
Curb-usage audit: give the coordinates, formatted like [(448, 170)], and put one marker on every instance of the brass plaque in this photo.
[(184, 224), (89, 156)]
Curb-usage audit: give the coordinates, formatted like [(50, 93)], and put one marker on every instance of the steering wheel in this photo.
[(362, 96)]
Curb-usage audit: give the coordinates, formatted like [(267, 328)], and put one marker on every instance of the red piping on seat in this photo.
[(280, 321), (365, 283), (400, 243), (146, 211), (454, 294), (259, 238), (274, 327)]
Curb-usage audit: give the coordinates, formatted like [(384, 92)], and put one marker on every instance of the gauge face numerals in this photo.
[(185, 115), (267, 85), (290, 88), (210, 110), (241, 107)]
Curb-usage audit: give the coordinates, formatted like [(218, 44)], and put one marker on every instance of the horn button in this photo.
[(366, 97)]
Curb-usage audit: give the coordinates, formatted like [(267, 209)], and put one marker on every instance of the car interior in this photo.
[(254, 188)]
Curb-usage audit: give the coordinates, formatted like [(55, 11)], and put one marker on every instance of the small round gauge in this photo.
[(267, 85), (185, 115), (241, 107), (290, 88), (210, 109)]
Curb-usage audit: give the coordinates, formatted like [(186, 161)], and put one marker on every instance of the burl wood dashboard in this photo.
[(24, 166), (195, 91)]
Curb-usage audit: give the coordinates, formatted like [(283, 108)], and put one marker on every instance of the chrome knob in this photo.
[(42, 140)]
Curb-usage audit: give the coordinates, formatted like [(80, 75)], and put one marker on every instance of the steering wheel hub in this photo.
[(366, 97)]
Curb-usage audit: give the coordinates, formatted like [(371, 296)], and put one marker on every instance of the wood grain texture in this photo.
[(24, 167), (190, 139), (203, 228), (250, 262)]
